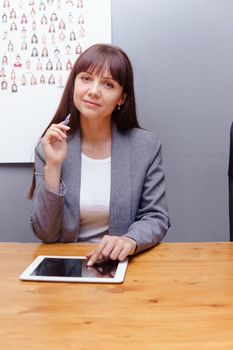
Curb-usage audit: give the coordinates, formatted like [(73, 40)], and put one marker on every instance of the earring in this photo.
[(119, 107)]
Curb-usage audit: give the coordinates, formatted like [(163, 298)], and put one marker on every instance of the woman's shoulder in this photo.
[(142, 136), (144, 145)]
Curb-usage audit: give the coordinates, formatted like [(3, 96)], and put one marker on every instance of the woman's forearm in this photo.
[(52, 177)]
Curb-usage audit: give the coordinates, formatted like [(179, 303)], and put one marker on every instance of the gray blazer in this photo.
[(138, 207)]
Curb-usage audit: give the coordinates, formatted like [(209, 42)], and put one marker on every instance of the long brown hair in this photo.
[(96, 58)]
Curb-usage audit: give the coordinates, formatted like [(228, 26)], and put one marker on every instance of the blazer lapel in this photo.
[(120, 198), (72, 176)]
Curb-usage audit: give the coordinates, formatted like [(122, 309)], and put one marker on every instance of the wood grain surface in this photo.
[(177, 296)]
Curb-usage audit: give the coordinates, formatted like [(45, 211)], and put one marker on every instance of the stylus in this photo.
[(67, 120)]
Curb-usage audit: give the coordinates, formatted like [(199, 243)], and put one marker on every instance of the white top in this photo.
[(94, 198)]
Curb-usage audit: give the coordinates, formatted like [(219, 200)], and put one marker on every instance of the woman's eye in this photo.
[(85, 78), (109, 84)]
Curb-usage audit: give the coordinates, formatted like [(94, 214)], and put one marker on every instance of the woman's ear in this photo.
[(122, 100)]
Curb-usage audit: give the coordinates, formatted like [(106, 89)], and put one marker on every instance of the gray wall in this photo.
[(182, 53)]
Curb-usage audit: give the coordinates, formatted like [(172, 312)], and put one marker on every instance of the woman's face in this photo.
[(96, 96)]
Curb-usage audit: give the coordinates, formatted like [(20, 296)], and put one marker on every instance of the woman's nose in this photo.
[(94, 89)]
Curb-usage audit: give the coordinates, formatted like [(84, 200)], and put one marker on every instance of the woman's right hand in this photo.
[(54, 144)]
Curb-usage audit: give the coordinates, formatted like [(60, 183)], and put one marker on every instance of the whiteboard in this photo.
[(39, 42)]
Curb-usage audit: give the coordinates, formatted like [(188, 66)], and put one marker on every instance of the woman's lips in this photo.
[(91, 103)]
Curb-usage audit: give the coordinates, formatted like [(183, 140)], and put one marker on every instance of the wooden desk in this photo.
[(175, 296)]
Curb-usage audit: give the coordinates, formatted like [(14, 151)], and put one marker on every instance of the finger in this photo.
[(51, 137), (56, 134), (97, 253), (107, 250), (117, 250), (60, 132), (124, 253), (89, 254), (61, 126)]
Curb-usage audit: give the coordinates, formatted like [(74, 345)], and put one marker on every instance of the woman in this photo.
[(100, 179)]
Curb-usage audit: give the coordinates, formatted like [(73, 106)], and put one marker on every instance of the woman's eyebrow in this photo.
[(106, 77), (102, 76)]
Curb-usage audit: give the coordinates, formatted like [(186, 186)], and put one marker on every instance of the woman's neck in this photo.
[(96, 137)]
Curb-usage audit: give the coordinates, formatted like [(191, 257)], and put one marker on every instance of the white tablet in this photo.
[(74, 269)]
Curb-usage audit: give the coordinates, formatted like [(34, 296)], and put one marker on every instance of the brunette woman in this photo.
[(99, 178)]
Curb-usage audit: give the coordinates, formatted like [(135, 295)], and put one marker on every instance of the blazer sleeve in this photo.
[(47, 209), (152, 219)]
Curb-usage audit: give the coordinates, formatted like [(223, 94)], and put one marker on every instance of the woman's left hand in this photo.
[(114, 248)]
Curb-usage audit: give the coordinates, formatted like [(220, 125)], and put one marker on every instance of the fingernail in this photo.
[(89, 263)]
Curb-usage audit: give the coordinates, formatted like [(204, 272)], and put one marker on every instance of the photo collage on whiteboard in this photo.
[(40, 40)]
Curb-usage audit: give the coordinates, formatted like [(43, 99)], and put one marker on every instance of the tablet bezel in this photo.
[(26, 275)]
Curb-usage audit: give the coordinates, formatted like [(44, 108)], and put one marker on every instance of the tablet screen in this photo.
[(63, 267)]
